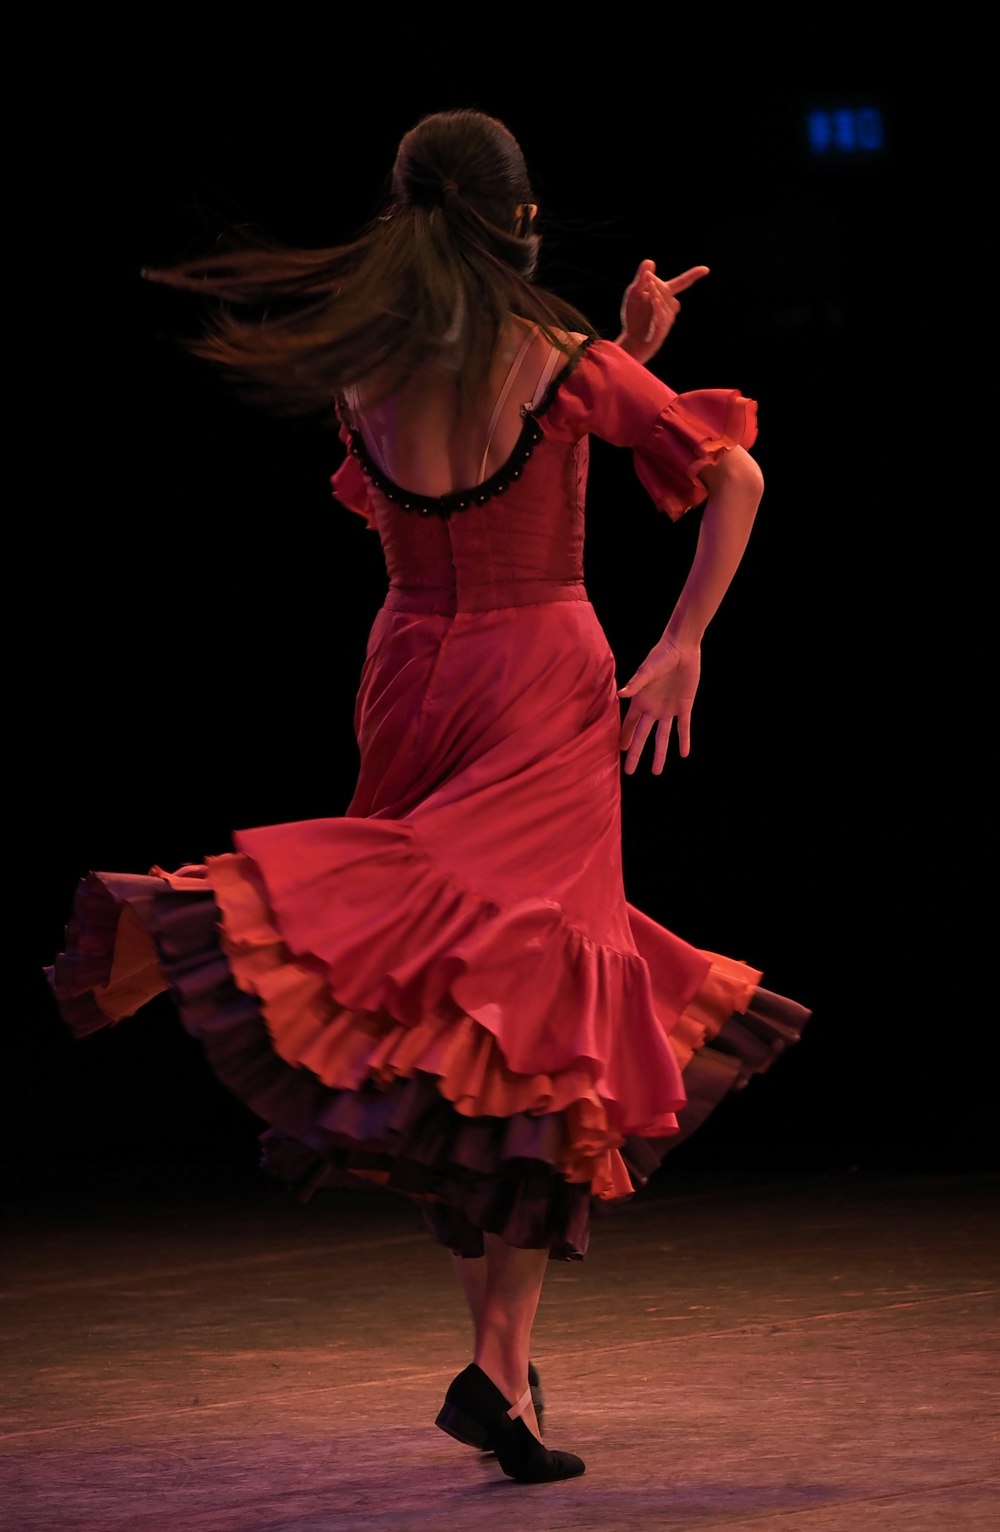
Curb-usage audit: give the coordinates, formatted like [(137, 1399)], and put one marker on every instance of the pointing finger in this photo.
[(686, 279)]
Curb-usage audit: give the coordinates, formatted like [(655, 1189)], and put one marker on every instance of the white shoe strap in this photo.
[(519, 1408)]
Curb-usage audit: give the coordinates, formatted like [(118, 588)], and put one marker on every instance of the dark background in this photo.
[(203, 604)]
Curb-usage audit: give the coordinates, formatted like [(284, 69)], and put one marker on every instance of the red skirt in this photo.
[(445, 990)]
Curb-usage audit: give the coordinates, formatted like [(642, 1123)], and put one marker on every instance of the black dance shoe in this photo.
[(537, 1399), (475, 1412)]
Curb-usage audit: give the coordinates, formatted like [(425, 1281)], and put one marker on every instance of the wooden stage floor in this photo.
[(780, 1354)]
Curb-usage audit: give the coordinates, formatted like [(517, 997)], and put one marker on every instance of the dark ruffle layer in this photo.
[(131, 936)]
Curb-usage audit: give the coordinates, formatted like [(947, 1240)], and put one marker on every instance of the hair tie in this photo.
[(449, 188)]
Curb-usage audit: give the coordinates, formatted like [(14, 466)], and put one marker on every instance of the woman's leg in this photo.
[(471, 1274), (506, 1298), (502, 1291)]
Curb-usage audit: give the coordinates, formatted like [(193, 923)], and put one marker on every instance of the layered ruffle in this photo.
[(350, 487), (360, 1003), (448, 972), (691, 434)]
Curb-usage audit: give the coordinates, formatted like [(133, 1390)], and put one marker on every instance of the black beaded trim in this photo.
[(461, 500)]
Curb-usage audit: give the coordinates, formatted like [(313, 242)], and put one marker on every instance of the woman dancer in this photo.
[(444, 989)]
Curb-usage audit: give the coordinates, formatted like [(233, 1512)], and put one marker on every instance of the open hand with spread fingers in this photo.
[(660, 695), (650, 306)]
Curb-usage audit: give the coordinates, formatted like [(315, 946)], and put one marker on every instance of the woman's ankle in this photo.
[(514, 1395), (510, 1376)]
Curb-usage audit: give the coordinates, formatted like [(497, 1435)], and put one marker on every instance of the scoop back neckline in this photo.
[(496, 483)]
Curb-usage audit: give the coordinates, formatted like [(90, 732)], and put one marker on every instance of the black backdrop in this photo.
[(202, 605)]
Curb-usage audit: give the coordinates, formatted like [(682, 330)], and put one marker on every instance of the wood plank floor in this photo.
[(814, 1354)]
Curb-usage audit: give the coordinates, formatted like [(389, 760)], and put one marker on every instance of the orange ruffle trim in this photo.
[(345, 1047)]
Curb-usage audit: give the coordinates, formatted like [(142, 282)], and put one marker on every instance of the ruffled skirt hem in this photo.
[(387, 1106)]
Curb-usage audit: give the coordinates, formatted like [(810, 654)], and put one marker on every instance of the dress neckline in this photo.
[(478, 494)]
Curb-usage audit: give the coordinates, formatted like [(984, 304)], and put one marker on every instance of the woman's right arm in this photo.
[(649, 308), (661, 693)]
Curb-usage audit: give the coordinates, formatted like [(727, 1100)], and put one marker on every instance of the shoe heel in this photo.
[(464, 1428)]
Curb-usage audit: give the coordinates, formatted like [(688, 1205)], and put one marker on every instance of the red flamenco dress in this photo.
[(445, 991)]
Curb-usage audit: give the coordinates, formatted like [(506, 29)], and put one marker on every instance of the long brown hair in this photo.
[(435, 275)]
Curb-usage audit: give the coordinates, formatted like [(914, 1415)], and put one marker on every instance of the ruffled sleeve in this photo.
[(610, 395), (349, 484)]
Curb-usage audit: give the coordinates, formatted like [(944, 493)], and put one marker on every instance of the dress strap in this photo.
[(352, 400), (545, 377), (502, 399)]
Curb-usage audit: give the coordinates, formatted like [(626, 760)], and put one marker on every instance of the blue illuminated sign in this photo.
[(841, 131)]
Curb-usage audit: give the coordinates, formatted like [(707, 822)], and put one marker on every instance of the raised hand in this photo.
[(650, 306), (660, 695)]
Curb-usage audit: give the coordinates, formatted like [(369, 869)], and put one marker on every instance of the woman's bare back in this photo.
[(424, 441)]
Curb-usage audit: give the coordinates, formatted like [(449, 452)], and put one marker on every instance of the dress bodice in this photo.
[(518, 538)]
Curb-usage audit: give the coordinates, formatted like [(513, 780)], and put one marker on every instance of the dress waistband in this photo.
[(446, 601)]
